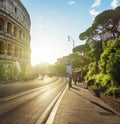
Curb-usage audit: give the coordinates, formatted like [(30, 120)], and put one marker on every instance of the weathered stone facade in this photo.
[(14, 40)]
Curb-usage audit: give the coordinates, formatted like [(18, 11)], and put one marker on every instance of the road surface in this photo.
[(31, 106)]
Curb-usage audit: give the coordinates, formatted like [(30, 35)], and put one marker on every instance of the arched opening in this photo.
[(1, 24), (16, 51), (1, 72), (20, 34), (15, 10), (1, 47), (9, 26), (15, 31), (20, 53), (23, 36), (9, 49)]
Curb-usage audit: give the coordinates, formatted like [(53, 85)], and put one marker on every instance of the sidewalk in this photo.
[(79, 106)]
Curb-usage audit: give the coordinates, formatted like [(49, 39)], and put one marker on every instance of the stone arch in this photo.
[(16, 51), (15, 9), (15, 31), (1, 71), (1, 47), (9, 49), (1, 24), (20, 35), (9, 28), (20, 53), (23, 36)]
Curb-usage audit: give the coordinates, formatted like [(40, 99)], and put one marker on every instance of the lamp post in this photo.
[(70, 38)]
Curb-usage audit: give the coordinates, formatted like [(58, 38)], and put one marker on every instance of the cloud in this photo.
[(93, 12), (71, 3), (96, 3), (114, 4)]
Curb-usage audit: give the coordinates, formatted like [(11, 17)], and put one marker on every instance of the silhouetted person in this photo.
[(78, 79), (70, 80), (75, 79)]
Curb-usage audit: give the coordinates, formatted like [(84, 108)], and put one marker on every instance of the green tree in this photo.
[(82, 52), (107, 21), (110, 60), (57, 69), (104, 22)]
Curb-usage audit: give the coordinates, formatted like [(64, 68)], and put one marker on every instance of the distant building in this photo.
[(65, 60), (14, 39)]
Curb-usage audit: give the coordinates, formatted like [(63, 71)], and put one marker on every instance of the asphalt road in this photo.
[(31, 102)]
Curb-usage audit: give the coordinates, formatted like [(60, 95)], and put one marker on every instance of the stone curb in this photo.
[(45, 115)]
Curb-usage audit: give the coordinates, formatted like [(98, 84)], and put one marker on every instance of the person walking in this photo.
[(70, 81)]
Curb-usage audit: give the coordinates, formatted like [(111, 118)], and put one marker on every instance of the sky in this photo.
[(52, 21)]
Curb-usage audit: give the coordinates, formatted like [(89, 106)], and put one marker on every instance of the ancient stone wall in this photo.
[(14, 39)]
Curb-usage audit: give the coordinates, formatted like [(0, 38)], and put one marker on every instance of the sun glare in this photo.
[(46, 45), (45, 53)]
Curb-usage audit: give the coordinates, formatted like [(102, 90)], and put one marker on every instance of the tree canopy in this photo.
[(105, 21)]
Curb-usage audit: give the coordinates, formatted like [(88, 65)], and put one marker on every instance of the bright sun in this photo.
[(43, 53), (46, 46)]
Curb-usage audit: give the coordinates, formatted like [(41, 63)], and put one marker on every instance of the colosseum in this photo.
[(14, 40)]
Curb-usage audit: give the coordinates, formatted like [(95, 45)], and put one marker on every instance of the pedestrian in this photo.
[(75, 79), (70, 80), (78, 79)]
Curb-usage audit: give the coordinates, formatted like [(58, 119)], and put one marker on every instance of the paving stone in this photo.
[(79, 106)]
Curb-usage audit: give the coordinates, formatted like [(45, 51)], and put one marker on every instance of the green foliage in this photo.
[(91, 82), (103, 60), (113, 91), (91, 71), (101, 24), (77, 63), (60, 69), (103, 17), (98, 80), (103, 82), (110, 60), (108, 79), (113, 66), (81, 49), (57, 69), (104, 70), (78, 60), (84, 72)]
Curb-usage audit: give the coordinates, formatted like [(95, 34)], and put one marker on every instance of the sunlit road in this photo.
[(30, 106)]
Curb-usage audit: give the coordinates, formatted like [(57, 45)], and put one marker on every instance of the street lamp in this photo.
[(70, 38)]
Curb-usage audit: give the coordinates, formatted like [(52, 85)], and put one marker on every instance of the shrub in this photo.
[(113, 91), (91, 71), (91, 82), (84, 72), (109, 66), (108, 79), (103, 82), (113, 66)]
